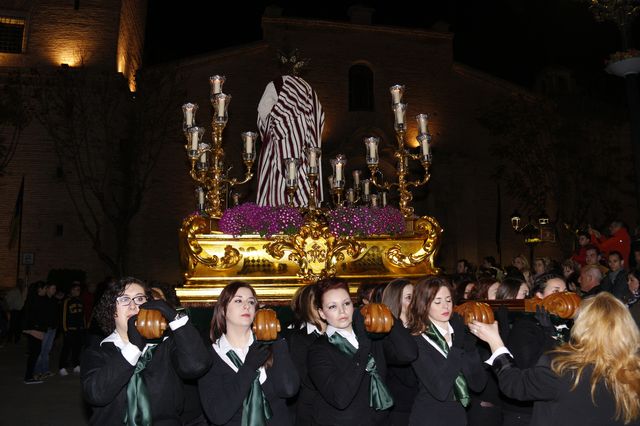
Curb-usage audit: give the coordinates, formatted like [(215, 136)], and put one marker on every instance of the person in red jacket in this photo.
[(580, 254), (619, 241)]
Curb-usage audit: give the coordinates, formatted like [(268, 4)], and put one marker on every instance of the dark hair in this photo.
[(376, 294), (327, 284), (512, 271), (491, 260), (460, 282), (467, 265), (365, 291), (219, 318), (481, 290), (591, 247), (617, 253), (105, 311), (509, 288), (303, 305), (540, 283), (583, 233), (392, 295), (168, 293), (424, 292)]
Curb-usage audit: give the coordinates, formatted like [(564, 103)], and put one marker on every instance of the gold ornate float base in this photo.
[(277, 266)]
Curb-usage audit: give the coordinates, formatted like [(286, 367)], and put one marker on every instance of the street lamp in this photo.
[(530, 231)]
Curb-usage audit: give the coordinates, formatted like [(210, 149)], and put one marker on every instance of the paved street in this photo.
[(56, 402)]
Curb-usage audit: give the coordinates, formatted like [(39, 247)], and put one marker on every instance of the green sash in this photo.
[(460, 390), (255, 407), (379, 396), (138, 405)]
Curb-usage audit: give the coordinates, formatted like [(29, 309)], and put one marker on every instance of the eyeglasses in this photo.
[(126, 300)]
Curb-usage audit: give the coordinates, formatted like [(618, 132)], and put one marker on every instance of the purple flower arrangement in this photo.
[(249, 218), (366, 221)]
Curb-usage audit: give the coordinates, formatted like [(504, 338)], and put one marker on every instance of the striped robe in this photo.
[(290, 118)]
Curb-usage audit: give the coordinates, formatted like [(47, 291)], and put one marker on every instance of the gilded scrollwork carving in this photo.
[(192, 252), (315, 250), (431, 230)]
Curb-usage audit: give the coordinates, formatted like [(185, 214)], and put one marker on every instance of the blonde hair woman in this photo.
[(592, 379), (522, 264)]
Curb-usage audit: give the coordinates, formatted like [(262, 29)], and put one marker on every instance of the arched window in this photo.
[(360, 88)]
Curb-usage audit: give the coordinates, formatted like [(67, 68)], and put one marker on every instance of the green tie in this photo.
[(379, 396), (460, 390), (255, 407), (138, 405)]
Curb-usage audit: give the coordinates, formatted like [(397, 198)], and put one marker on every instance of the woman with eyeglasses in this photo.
[(128, 379), (249, 381)]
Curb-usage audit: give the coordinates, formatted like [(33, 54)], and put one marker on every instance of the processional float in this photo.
[(276, 263)]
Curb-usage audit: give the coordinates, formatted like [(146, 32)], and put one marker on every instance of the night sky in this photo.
[(512, 39)]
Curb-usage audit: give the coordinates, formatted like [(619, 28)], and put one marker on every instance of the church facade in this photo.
[(352, 65)]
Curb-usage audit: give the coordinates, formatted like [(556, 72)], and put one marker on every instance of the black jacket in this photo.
[(435, 403), (527, 342), (299, 343), (556, 403), (343, 383), (222, 390), (106, 373)]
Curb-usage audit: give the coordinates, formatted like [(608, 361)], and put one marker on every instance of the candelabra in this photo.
[(402, 154), (207, 160)]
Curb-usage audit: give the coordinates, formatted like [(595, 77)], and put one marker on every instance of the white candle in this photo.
[(194, 141), (292, 170), (200, 197), (424, 143), (356, 177), (248, 143), (384, 198), (422, 120), (313, 158), (216, 84), (203, 158), (374, 200), (189, 117), (339, 171), (396, 93), (365, 187), (350, 195), (220, 106), (399, 115)]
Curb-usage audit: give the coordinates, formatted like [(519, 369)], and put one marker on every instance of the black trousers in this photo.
[(510, 418), (15, 326), (72, 343), (33, 350)]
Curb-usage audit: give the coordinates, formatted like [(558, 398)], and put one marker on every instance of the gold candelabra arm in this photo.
[(424, 180), (373, 168), (337, 193), (313, 195), (291, 192), (248, 175)]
